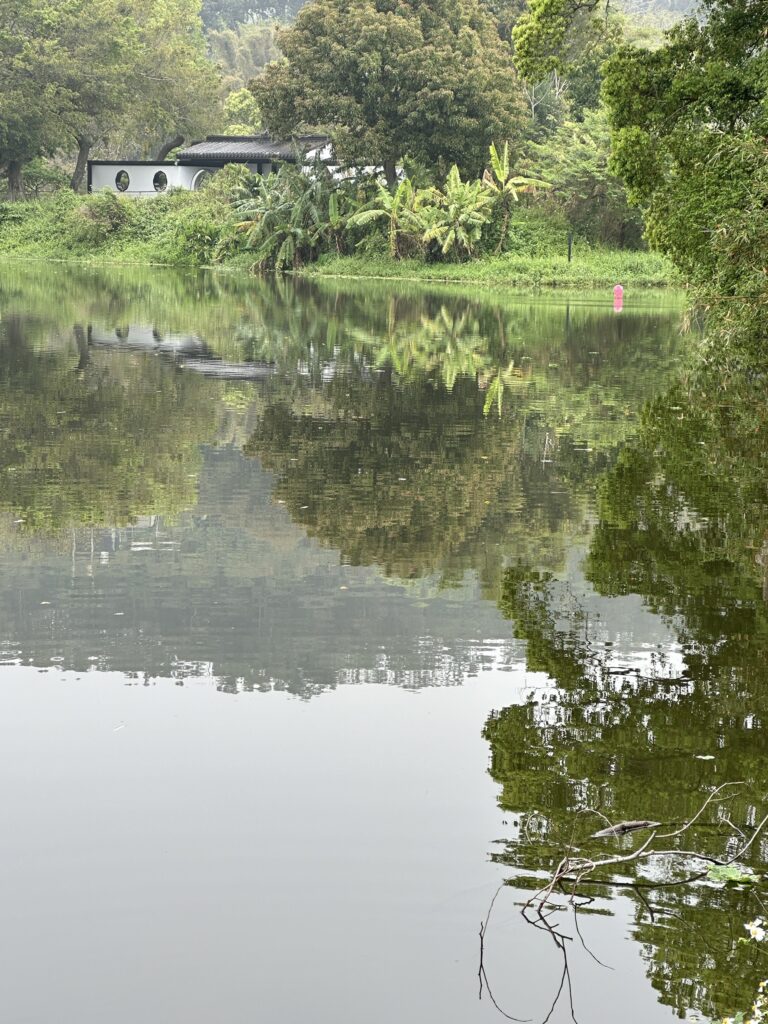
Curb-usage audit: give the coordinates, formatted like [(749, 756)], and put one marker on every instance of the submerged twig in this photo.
[(578, 871)]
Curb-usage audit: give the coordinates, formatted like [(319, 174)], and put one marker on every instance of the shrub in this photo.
[(98, 216), (231, 184)]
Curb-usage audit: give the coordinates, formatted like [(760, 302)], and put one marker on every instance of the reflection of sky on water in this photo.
[(235, 592), (173, 855)]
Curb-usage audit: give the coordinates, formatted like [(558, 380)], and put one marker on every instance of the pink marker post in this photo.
[(618, 298)]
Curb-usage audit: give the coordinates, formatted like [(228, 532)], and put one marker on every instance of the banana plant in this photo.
[(505, 187), (457, 215), (402, 210), (289, 217)]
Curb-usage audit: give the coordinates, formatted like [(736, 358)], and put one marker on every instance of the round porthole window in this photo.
[(200, 179), (122, 181), (160, 181)]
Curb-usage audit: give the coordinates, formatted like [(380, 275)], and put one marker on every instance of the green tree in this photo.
[(690, 121), (505, 187), (560, 48), (75, 73), (460, 212), (242, 52), (576, 159), (429, 78), (176, 89), (402, 210), (241, 113), (104, 50), (506, 13), (543, 34), (291, 215), (35, 88)]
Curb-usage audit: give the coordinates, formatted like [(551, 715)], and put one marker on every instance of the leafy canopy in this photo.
[(690, 121), (427, 78), (135, 69)]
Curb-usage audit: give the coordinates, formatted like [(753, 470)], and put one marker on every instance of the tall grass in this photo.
[(590, 268)]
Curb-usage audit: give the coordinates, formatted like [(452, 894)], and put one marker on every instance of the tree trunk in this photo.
[(83, 349), (83, 150), (390, 173), (15, 181), (167, 146)]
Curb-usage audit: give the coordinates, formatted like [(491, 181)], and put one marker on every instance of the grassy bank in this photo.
[(199, 229), (182, 229), (589, 268)]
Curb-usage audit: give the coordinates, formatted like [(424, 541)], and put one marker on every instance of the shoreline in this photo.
[(475, 275), (598, 269), (196, 231)]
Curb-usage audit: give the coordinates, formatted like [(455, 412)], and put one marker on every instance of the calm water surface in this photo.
[(324, 611)]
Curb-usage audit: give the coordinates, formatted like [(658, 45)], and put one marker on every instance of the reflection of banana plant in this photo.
[(458, 215), (503, 378), (504, 187), (448, 345)]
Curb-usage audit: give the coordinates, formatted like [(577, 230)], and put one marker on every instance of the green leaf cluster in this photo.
[(426, 78), (689, 121), (74, 73)]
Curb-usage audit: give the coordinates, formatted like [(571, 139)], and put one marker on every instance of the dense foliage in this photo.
[(72, 74), (426, 86), (680, 532), (176, 69), (576, 158), (690, 121), (242, 52), (430, 79), (491, 229)]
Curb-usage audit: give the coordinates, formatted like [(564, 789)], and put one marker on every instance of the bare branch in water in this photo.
[(577, 871)]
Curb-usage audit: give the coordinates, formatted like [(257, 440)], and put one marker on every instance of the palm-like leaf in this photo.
[(504, 187), (401, 209), (457, 219), (291, 214)]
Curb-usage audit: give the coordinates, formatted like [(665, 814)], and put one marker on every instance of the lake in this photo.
[(328, 609)]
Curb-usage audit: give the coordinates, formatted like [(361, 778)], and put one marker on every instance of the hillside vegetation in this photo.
[(235, 222)]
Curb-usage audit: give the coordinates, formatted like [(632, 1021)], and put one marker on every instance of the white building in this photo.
[(196, 163)]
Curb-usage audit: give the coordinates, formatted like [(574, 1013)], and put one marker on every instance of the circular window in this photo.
[(122, 181), (200, 179), (160, 181)]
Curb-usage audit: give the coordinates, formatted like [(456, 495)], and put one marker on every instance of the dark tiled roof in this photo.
[(249, 148)]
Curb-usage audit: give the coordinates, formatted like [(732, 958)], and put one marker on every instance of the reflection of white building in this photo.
[(190, 351), (144, 338), (195, 164)]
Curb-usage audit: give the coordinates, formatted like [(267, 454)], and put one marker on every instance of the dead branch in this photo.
[(698, 814), (578, 871)]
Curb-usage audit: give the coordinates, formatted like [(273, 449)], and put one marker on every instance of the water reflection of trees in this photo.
[(386, 448), (396, 463), (682, 524), (88, 440)]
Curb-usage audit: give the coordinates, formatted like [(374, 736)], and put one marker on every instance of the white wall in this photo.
[(141, 175)]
